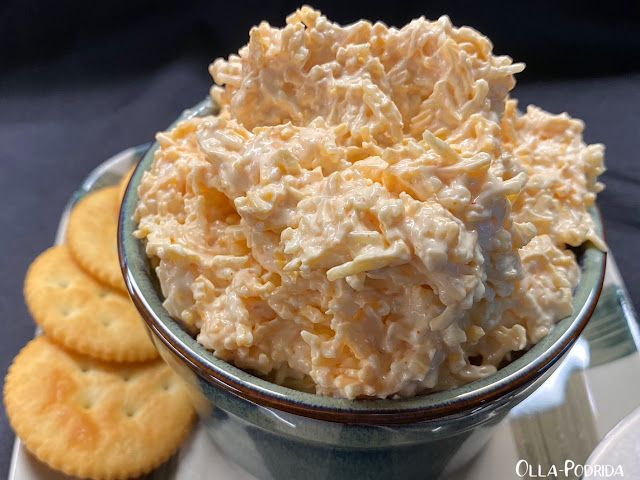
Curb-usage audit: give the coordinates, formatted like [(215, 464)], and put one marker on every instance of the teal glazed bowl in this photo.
[(276, 432)]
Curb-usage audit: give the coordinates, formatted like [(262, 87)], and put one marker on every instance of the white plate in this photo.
[(621, 446), (594, 388)]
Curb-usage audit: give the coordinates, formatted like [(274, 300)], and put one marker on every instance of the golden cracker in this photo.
[(92, 236), (93, 419), (82, 314)]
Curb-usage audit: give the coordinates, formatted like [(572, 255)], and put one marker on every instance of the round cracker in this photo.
[(93, 236), (82, 314), (94, 419)]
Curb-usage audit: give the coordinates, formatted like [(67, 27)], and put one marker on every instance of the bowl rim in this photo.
[(139, 279)]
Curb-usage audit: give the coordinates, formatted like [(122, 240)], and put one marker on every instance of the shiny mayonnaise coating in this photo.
[(369, 214)]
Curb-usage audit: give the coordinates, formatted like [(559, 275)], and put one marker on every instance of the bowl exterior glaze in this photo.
[(280, 433), (276, 445)]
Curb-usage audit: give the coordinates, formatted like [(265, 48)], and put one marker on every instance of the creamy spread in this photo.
[(369, 213)]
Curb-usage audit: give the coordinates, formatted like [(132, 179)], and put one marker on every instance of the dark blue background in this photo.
[(80, 81)]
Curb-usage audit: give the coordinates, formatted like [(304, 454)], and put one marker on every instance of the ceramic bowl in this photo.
[(280, 433)]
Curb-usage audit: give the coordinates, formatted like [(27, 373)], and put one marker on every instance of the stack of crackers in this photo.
[(90, 397)]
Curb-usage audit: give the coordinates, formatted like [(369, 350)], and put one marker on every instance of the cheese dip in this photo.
[(369, 214)]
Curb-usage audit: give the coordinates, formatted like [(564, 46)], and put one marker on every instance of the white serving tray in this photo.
[(594, 388)]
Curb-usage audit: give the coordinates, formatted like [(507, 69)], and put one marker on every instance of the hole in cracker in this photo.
[(126, 377), (88, 399), (103, 293), (63, 284), (105, 320), (130, 411), (166, 386)]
